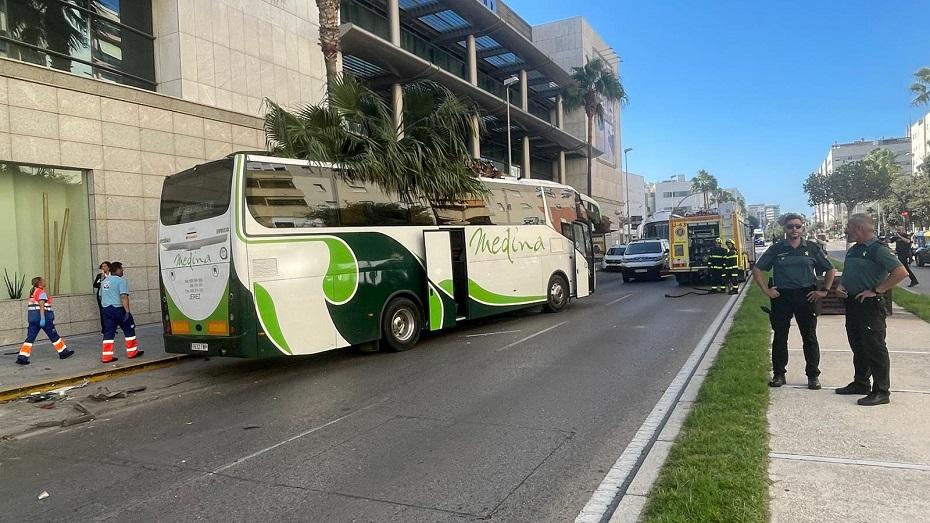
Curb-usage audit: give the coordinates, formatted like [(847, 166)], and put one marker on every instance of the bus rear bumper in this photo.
[(229, 346)]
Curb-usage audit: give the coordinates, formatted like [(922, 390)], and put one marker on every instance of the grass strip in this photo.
[(916, 304), (718, 467)]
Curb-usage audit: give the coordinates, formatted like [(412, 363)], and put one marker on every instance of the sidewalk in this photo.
[(46, 368), (832, 460)]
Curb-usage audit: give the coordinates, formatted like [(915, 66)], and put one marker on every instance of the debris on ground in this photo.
[(86, 415), (43, 495), (105, 394), (54, 394)]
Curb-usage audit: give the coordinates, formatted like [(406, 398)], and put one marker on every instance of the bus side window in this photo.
[(525, 203), (288, 196), (471, 211), (365, 204), (562, 209)]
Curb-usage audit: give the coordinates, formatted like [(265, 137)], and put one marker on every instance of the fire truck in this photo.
[(693, 236)]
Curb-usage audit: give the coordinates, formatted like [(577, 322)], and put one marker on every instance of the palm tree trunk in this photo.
[(329, 36), (590, 155)]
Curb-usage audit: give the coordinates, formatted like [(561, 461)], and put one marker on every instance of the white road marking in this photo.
[(288, 440), (621, 298), (490, 333), (847, 461), (617, 478), (531, 336)]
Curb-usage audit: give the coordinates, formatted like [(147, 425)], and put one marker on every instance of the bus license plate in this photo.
[(203, 347), (642, 270)]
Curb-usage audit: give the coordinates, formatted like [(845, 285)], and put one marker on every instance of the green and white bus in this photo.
[(264, 256)]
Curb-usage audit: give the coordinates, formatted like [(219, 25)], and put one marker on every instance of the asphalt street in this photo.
[(515, 418)]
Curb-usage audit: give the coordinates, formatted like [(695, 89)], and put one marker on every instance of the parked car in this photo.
[(645, 259), (922, 256), (613, 258)]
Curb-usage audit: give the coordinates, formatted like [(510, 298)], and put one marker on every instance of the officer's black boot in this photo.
[(813, 383), (777, 381), (875, 398)]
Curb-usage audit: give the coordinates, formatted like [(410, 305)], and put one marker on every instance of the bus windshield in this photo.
[(197, 194)]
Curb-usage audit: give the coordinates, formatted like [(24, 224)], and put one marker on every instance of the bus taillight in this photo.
[(180, 327), (217, 327)]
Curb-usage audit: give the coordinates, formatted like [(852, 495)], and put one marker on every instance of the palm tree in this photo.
[(329, 36), (354, 127), (593, 84), (921, 86), (704, 183)]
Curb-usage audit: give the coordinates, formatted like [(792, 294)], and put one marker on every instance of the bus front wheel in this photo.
[(401, 324), (556, 294)]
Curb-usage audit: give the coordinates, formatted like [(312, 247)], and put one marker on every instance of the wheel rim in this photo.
[(557, 291), (403, 325)]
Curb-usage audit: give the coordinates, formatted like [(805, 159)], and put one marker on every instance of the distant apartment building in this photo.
[(920, 141), (675, 195), (842, 153), (638, 209)]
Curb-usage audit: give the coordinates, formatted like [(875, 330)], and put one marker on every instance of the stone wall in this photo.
[(127, 140)]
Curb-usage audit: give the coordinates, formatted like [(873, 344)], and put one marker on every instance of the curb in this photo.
[(639, 463), (18, 391)]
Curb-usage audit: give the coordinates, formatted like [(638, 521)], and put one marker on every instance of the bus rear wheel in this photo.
[(556, 294), (401, 324)]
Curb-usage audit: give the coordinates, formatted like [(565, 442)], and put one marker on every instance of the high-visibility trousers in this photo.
[(33, 329), (114, 317)]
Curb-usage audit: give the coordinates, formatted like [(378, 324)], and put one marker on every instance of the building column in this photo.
[(471, 58), (475, 138), (559, 111), (397, 102), (393, 9), (524, 103), (526, 158), (562, 167)]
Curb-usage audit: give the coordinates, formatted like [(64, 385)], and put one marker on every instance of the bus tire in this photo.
[(401, 324), (556, 294)]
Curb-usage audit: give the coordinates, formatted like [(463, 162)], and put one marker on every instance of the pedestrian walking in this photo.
[(870, 270), (41, 317), (731, 267), (716, 262), (794, 263), (114, 297), (98, 279), (902, 246)]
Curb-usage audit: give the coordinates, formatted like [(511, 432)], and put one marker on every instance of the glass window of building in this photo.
[(105, 39), (53, 244)]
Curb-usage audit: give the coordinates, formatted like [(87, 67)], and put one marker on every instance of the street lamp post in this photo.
[(626, 185), (507, 83)]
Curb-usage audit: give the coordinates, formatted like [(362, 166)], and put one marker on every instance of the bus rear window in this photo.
[(197, 194)]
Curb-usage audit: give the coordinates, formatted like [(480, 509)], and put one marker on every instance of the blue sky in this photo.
[(755, 92)]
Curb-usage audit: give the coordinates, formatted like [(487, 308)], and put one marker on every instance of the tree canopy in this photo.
[(426, 156), (704, 183), (921, 87), (854, 182)]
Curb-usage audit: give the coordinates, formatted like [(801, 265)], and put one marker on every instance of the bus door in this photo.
[(583, 259), (443, 287)]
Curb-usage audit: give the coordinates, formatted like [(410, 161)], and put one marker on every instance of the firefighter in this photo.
[(114, 298), (794, 263), (731, 267), (41, 317), (717, 262)]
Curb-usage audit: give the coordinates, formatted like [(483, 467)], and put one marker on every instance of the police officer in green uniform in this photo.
[(794, 263), (870, 270)]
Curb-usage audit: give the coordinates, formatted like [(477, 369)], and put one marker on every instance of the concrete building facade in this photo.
[(638, 210), (571, 43), (93, 128)]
